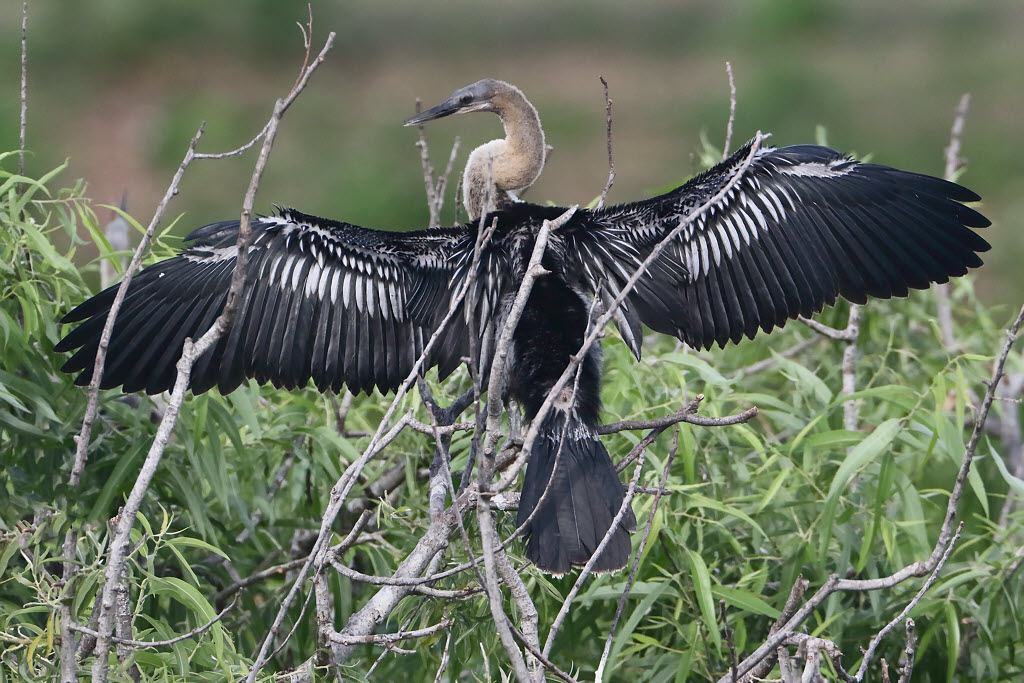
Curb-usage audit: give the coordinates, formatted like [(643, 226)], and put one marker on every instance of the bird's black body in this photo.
[(348, 306)]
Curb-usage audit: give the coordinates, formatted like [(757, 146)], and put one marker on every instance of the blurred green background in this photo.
[(120, 87)]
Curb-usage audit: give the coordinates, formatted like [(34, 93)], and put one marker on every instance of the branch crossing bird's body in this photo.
[(347, 306)]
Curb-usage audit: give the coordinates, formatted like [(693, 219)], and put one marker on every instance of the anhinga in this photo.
[(350, 306)]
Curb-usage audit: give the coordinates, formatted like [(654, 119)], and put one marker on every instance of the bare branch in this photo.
[(24, 87), (279, 478), (123, 626), (846, 334), (547, 663), (796, 596), (953, 164), (383, 638), (378, 607), (849, 369), (589, 566), (953, 159), (68, 664), (496, 382), (608, 135), (92, 406), (159, 643), (488, 538), (870, 652), (909, 652), (444, 658), (599, 674), (234, 152), (732, 111), (686, 414), (435, 189)]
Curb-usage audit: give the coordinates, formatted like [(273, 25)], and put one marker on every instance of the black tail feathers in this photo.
[(582, 500)]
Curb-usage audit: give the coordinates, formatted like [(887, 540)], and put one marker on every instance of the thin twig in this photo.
[(953, 164), (846, 334), (728, 640), (870, 652), (909, 652), (279, 478), (849, 335), (849, 369), (588, 567), (160, 643), (444, 658), (234, 152), (24, 86), (608, 135), (92, 405), (684, 415), (796, 596), (68, 664), (547, 663), (599, 674), (732, 112)]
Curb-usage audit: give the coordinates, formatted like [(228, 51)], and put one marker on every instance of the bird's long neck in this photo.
[(509, 165)]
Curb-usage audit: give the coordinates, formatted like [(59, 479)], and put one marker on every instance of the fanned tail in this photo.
[(584, 495)]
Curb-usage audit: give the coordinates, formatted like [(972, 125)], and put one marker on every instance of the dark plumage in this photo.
[(349, 306)]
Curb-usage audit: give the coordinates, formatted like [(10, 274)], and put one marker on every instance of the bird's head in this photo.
[(476, 97)]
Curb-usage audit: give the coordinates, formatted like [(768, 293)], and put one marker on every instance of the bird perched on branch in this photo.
[(350, 306)]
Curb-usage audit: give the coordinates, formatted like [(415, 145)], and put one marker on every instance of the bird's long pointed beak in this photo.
[(446, 108)]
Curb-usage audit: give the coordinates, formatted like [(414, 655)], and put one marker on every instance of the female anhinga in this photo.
[(350, 306)]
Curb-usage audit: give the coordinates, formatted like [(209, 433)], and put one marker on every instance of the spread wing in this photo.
[(327, 301), (803, 225)]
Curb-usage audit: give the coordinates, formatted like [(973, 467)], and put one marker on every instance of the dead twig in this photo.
[(909, 652), (849, 335), (435, 189), (588, 567), (686, 414), (732, 112), (771, 362), (24, 87), (599, 674), (953, 164), (92, 405), (608, 136), (870, 652), (131, 642)]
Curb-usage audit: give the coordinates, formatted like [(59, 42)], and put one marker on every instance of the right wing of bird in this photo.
[(325, 300), (801, 226)]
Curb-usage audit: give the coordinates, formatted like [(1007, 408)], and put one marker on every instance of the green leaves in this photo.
[(746, 509), (867, 450)]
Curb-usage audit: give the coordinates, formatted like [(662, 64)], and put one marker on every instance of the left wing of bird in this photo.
[(801, 226)]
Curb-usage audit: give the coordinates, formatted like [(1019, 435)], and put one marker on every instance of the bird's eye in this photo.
[(465, 99)]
